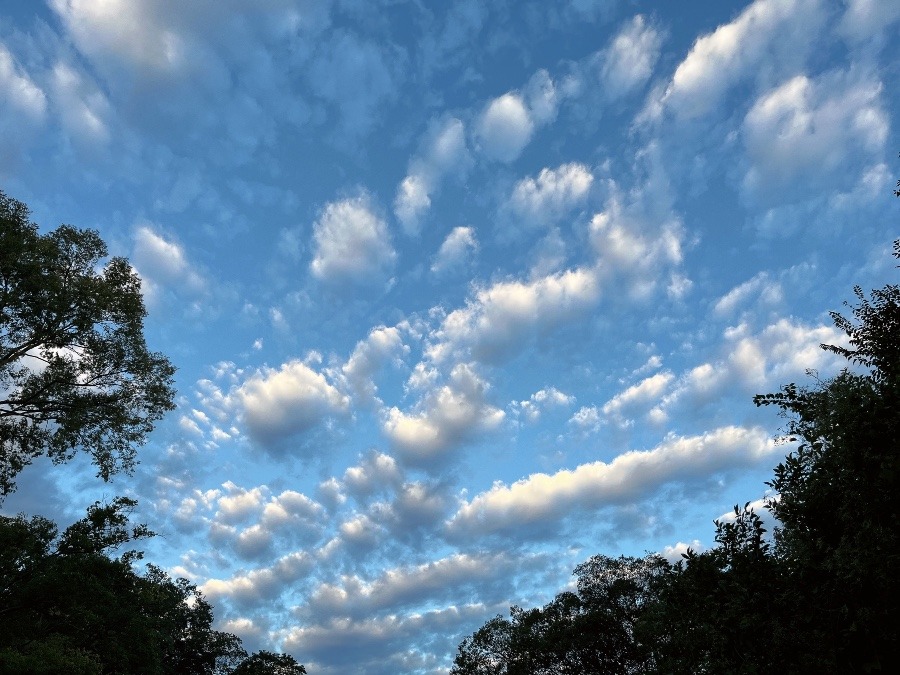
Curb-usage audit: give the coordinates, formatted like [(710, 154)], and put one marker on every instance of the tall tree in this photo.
[(75, 371), (75, 597), (837, 503)]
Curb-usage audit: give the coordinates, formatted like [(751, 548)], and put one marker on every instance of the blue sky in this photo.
[(459, 293)]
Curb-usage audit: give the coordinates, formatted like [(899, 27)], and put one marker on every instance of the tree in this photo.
[(838, 490), (75, 371), (589, 631), (65, 598), (269, 663)]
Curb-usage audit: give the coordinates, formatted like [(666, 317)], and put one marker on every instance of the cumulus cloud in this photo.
[(446, 417), (777, 30), (805, 134), (499, 320), (541, 400), (352, 243), (445, 153), (550, 196), (377, 471), (381, 346), (455, 250), (644, 392), (260, 585), (276, 404), (539, 501), (441, 579), (628, 248), (505, 128), (629, 60), (752, 362)]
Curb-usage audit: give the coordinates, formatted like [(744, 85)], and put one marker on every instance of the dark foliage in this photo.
[(75, 372)]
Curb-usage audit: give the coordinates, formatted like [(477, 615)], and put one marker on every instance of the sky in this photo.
[(460, 293)]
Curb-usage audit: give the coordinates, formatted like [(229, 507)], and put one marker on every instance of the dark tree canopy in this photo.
[(75, 371), (269, 663), (74, 598)]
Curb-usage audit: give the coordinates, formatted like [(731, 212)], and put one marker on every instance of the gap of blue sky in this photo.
[(460, 293)]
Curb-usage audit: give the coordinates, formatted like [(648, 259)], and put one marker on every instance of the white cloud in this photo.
[(587, 419), (542, 98), (377, 471), (276, 404), (352, 243), (805, 134), (260, 585), (629, 60), (541, 400), (163, 264), (501, 318), (505, 128), (625, 246), (780, 29), (140, 32), (646, 391), (455, 250), (760, 289), (445, 153), (82, 107), (552, 194), (368, 357), (865, 19), (675, 552), (446, 417), (415, 585), (18, 91), (630, 477)]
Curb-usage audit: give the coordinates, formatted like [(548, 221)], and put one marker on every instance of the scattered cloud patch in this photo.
[(455, 251), (542, 499), (352, 243)]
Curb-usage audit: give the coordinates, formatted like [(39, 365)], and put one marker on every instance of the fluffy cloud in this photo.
[(18, 92), (759, 290), (540, 500), (276, 404), (541, 400), (445, 153), (376, 472), (352, 243), (628, 62), (454, 252), (418, 585), (164, 268), (865, 19), (447, 416), (260, 585), (781, 29), (368, 357), (552, 194), (505, 128), (626, 248), (501, 318), (806, 134), (646, 391)]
